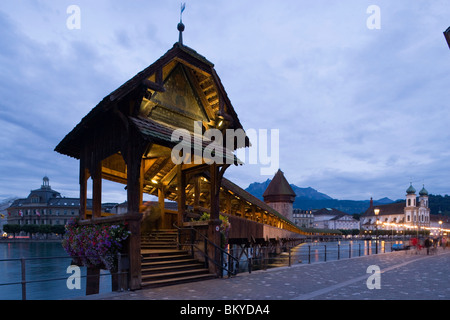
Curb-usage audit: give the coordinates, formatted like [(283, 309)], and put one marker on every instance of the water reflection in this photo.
[(39, 269), (312, 253)]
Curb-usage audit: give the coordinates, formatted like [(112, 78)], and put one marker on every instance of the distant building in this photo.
[(400, 215), (303, 218), (280, 196), (46, 206), (439, 225), (330, 218)]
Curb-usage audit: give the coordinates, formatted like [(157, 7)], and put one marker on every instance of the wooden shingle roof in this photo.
[(208, 81), (279, 189)]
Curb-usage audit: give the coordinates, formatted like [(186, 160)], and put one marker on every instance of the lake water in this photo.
[(317, 252), (321, 251), (40, 269)]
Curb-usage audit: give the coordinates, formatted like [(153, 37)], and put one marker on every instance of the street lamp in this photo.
[(376, 211)]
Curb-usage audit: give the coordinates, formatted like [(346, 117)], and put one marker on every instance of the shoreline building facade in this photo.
[(44, 206), (412, 214), (330, 218)]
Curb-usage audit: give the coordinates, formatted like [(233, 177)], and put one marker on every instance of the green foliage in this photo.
[(33, 229), (11, 228), (439, 203)]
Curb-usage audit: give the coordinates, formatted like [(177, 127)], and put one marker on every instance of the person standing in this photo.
[(427, 245)]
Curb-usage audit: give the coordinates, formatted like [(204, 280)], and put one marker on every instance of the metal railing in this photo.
[(121, 267), (192, 239), (264, 257)]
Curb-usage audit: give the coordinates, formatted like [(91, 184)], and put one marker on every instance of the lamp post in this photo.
[(376, 211)]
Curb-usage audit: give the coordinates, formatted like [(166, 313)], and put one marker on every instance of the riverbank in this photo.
[(30, 240), (403, 276)]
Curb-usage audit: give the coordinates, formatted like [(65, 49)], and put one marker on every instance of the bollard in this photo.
[(119, 272), (289, 256), (325, 252), (24, 284), (339, 251), (309, 254), (349, 250)]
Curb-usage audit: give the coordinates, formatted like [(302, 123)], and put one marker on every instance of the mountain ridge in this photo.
[(309, 198)]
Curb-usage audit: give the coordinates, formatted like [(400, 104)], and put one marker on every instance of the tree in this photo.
[(45, 229), (58, 229), (11, 228)]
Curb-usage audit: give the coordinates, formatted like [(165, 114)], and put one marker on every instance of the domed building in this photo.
[(411, 214), (45, 206)]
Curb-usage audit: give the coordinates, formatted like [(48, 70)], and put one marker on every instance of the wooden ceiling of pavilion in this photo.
[(148, 105)]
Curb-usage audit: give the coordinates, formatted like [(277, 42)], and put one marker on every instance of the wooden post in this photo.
[(181, 186), (84, 176), (92, 281), (196, 191), (214, 224), (97, 191), (161, 196), (214, 194), (133, 159)]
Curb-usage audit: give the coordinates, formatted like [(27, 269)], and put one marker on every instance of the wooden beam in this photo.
[(153, 86), (148, 163), (167, 179), (114, 175)]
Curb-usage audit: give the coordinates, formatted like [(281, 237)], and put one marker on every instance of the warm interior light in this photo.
[(155, 182)]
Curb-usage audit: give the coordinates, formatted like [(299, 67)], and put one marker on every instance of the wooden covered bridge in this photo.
[(128, 138)]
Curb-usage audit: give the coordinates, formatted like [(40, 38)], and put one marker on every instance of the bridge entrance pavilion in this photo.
[(129, 138)]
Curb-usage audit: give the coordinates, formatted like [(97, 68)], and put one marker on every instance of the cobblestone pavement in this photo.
[(403, 276)]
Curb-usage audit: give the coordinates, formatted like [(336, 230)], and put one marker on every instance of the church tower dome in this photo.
[(423, 192), (410, 196), (411, 190)]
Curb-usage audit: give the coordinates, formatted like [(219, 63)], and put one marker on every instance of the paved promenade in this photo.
[(403, 276)]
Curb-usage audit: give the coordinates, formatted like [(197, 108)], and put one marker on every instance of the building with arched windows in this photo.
[(45, 206), (412, 214)]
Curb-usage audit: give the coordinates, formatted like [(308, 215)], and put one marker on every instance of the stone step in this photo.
[(163, 264), (174, 281)]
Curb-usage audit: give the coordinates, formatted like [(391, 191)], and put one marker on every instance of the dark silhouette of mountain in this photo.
[(309, 199), (257, 189)]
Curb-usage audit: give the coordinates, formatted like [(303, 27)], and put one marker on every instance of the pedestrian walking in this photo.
[(427, 244)]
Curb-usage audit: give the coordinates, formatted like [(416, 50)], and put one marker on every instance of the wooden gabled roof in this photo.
[(207, 83)]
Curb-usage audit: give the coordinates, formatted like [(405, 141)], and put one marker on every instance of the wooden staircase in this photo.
[(163, 264)]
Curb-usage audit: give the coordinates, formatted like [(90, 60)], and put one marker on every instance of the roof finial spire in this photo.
[(180, 26)]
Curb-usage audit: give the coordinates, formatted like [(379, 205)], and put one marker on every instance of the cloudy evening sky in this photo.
[(360, 112)]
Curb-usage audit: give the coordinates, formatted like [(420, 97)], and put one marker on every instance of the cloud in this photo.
[(360, 112)]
